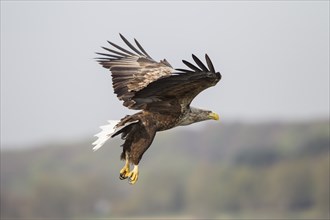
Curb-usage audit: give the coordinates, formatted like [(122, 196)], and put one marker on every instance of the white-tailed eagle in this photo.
[(161, 93)]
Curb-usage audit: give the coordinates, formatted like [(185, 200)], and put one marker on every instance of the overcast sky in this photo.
[(273, 56)]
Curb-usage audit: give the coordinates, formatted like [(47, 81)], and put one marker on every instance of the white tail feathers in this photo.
[(105, 134), (107, 131)]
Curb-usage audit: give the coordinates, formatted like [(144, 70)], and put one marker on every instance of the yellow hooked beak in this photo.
[(214, 116)]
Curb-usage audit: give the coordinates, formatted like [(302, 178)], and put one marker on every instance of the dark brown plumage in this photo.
[(163, 95)]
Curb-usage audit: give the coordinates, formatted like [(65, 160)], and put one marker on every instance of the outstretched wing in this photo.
[(180, 88), (132, 71), (143, 83)]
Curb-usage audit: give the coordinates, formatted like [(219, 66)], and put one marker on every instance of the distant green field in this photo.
[(270, 170)]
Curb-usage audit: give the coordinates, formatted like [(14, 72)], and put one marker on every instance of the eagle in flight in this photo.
[(161, 93)]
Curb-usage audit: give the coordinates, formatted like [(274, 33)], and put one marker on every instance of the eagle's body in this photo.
[(162, 93)]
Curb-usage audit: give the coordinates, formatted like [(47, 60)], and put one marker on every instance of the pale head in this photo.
[(197, 115)]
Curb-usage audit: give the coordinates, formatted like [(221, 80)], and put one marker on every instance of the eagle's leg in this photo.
[(125, 170), (134, 174)]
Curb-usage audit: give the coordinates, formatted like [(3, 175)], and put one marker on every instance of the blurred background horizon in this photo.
[(267, 158)]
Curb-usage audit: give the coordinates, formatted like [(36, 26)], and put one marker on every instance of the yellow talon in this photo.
[(134, 175), (124, 171)]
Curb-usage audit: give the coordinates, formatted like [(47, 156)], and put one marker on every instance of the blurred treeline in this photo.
[(269, 170)]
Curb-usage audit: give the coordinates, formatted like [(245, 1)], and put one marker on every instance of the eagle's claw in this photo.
[(123, 174), (133, 175)]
